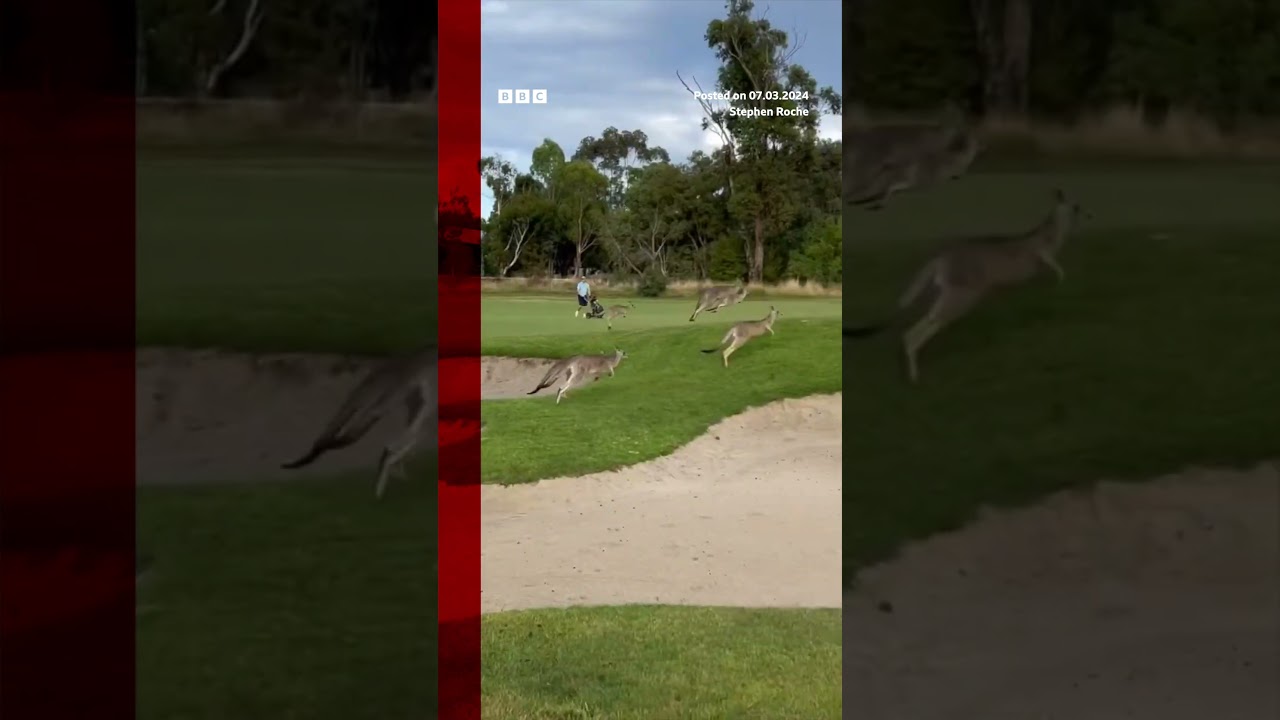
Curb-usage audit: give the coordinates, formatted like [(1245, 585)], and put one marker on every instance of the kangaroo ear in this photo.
[(1059, 195)]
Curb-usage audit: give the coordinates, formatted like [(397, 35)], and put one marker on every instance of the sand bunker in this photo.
[(1153, 601), (212, 416), (727, 519), (510, 378), (746, 515)]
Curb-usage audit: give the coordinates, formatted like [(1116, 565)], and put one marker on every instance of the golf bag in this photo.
[(597, 310)]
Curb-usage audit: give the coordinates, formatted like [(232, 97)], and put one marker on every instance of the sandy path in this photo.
[(1153, 601), (746, 515)]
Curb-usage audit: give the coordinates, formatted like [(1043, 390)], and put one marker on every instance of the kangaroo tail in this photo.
[(341, 433), (918, 285), (320, 447), (315, 452), (723, 340), (547, 379)]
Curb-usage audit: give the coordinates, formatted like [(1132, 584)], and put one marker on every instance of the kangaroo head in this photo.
[(742, 292), (618, 355), (774, 313)]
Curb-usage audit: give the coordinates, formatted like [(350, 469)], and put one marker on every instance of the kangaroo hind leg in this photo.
[(573, 373), (949, 306), (733, 346), (395, 452)]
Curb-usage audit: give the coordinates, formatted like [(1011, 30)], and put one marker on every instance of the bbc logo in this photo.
[(522, 97)]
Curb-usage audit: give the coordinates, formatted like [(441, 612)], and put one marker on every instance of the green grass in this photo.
[(310, 600), (271, 251), (664, 394), (652, 662), (1158, 352), (659, 662), (306, 601)]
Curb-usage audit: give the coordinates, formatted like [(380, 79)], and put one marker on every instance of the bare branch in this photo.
[(518, 238), (626, 256), (735, 52), (252, 20), (800, 38), (715, 120), (218, 7)]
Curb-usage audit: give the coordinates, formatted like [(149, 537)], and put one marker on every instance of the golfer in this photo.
[(584, 292)]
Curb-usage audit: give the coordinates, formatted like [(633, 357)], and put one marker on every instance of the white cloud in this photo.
[(614, 63), (830, 127), (542, 20)]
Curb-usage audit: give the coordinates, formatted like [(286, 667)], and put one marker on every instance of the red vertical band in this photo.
[(67, 373), (459, 295)]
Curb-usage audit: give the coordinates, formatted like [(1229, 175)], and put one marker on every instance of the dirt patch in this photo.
[(1152, 601), (746, 515), (209, 416)]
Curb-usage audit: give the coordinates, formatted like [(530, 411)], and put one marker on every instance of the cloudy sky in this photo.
[(614, 62)]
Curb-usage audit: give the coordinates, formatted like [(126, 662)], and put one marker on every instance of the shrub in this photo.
[(820, 259), (652, 284)]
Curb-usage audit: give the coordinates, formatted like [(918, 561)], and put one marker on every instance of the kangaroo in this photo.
[(409, 379), (578, 366), (890, 159), (967, 270), (616, 311), (887, 159), (740, 333), (714, 298)]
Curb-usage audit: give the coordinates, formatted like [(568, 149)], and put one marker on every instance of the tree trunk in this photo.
[(757, 255), (139, 58), (577, 260), (1017, 54), (988, 41), (1003, 32)]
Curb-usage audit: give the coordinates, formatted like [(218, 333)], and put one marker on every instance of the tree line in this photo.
[(762, 208), (349, 49), (1061, 58)]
